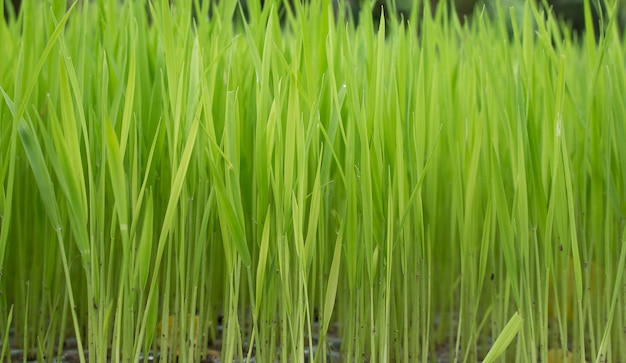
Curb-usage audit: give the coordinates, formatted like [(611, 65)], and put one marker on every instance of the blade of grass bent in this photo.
[(37, 161), (118, 182), (504, 339), (42, 176), (262, 263), (331, 288)]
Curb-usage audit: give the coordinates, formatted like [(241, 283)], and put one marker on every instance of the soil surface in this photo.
[(442, 353)]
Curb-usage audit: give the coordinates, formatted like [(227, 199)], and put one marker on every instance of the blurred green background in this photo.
[(571, 11)]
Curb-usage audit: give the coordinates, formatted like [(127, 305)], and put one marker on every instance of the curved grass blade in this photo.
[(118, 181), (42, 175), (504, 339), (331, 288)]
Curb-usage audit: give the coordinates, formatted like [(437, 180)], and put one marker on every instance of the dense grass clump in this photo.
[(382, 192)]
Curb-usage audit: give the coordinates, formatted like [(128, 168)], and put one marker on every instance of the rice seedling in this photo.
[(293, 186)]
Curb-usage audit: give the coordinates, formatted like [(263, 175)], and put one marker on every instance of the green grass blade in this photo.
[(504, 339), (40, 171)]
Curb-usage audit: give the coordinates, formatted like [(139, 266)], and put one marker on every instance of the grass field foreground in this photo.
[(455, 191)]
